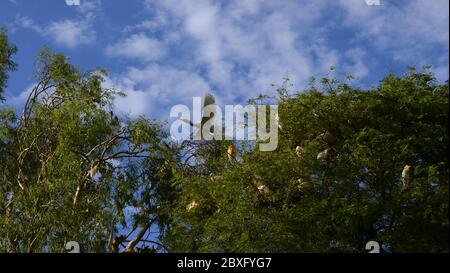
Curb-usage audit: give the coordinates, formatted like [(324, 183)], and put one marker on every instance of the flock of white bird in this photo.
[(303, 185)]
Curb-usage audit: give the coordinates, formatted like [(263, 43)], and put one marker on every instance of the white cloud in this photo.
[(17, 102), (239, 48), (409, 32), (66, 33), (71, 34), (248, 44), (28, 23), (90, 6), (400, 25), (356, 68), (137, 46), (155, 89)]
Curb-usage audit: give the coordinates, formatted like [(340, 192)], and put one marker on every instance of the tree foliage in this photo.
[(74, 171), (352, 165), (6, 64), (293, 200)]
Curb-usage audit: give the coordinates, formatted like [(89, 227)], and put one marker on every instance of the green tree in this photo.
[(6, 64), (352, 166), (6, 115), (74, 170)]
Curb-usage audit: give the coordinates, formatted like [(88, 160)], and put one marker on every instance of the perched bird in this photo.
[(8, 209), (263, 189), (323, 156), (299, 151), (93, 171), (231, 151), (406, 175), (212, 177), (192, 205)]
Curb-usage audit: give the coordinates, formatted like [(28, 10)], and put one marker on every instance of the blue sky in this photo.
[(162, 53)]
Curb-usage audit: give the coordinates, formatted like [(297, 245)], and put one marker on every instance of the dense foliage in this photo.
[(71, 168), (352, 165), (6, 63), (335, 181)]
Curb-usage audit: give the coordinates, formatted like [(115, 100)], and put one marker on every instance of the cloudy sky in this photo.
[(162, 53)]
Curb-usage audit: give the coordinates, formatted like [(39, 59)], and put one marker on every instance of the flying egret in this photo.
[(209, 100)]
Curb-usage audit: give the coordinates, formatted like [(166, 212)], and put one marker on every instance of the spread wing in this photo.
[(209, 100)]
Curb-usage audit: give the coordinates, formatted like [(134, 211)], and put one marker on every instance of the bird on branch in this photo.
[(192, 205), (94, 170), (299, 151), (324, 155), (262, 188), (406, 175), (231, 151)]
